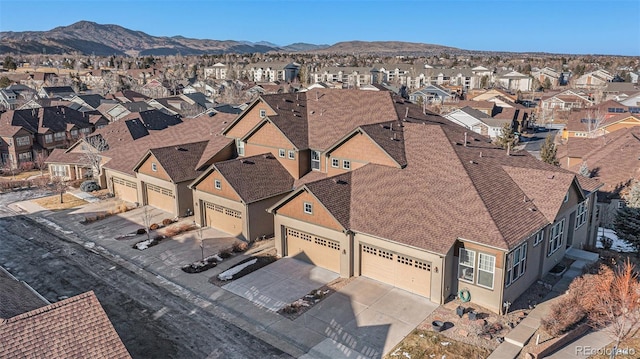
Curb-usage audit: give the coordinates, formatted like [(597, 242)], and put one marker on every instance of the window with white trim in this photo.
[(466, 262), (281, 152), (292, 155), (86, 130), (516, 264), (263, 113), (620, 204), (308, 208), (555, 237), (154, 167), (335, 163), (59, 136), (23, 141), (539, 237), (217, 184), (346, 164), (48, 138), (59, 170), (315, 160), (486, 269), (74, 133), (581, 215), (566, 197), (240, 147), (24, 157)]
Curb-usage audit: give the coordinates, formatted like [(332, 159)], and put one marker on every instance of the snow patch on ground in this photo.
[(228, 274), (51, 224), (618, 244)]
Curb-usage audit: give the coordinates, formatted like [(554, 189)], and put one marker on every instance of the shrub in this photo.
[(141, 231), (154, 226), (225, 253), (122, 208), (239, 247), (26, 166), (167, 221), (606, 242), (563, 315), (89, 186)]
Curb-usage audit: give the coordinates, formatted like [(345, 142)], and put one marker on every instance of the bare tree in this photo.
[(593, 123), (60, 185), (40, 160), (146, 220), (92, 148)]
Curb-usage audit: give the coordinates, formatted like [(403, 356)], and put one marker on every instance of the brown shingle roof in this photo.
[(59, 155), (180, 160), (335, 195), (76, 327), (16, 297), (256, 177), (203, 128)]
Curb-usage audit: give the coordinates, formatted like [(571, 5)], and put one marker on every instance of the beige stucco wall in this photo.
[(437, 261), (260, 222), (535, 255), (488, 298)]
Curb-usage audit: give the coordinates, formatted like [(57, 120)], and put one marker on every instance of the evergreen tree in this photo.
[(584, 170), (507, 137), (548, 152), (627, 221)]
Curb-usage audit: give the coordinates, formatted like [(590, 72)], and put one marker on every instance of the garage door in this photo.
[(320, 251), (401, 271), (161, 198), (125, 190), (223, 218)]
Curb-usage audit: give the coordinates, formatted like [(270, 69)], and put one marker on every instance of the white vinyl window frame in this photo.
[(281, 152), (486, 270), (154, 167), (516, 264), (556, 237), (335, 163), (308, 207), (582, 212), (217, 184), (291, 154), (466, 265), (346, 164)]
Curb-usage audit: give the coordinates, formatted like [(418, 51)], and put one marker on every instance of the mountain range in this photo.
[(88, 38)]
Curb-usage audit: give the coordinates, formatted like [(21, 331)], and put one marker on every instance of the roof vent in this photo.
[(550, 176), (246, 162), (178, 148), (340, 181), (268, 156), (473, 162), (532, 209)]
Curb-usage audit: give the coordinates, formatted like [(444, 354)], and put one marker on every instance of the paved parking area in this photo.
[(280, 283)]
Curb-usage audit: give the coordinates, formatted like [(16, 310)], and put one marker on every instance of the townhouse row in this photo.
[(365, 184)]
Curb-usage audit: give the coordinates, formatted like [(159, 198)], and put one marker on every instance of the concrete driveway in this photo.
[(280, 283), (364, 319)]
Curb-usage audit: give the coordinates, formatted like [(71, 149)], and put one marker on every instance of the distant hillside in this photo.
[(88, 38), (386, 48)]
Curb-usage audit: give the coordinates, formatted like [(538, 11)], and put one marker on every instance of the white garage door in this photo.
[(401, 271), (161, 198), (223, 218), (125, 190), (319, 251)]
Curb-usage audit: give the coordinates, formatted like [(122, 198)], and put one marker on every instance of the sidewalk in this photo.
[(522, 333)]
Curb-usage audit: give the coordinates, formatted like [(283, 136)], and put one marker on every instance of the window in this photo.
[(346, 164), (308, 208), (581, 216), (217, 184), (240, 147), (539, 238), (154, 167), (335, 162), (315, 160), (263, 113), (23, 141), (555, 238), (292, 155), (281, 153), (566, 197), (516, 264), (74, 133), (486, 267), (465, 265), (59, 136), (59, 170), (86, 130), (48, 138), (620, 204), (24, 157)]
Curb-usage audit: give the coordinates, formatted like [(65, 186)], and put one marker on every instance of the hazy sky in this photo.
[(559, 26)]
